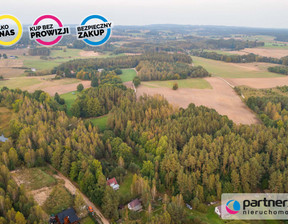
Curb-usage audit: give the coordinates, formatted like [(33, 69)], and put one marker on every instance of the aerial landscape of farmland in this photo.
[(153, 123)]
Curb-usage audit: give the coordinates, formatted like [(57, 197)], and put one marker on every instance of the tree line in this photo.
[(279, 69), (187, 43), (42, 51), (272, 110), (239, 58), (155, 70), (85, 68)]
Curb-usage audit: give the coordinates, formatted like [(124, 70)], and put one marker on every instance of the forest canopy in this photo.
[(190, 155), (152, 66)]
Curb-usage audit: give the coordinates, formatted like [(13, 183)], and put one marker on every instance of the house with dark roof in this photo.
[(113, 183), (65, 217), (135, 205)]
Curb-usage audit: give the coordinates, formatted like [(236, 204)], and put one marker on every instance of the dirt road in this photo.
[(72, 188)]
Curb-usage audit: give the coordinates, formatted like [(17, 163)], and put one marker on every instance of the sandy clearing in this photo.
[(69, 186), (267, 52), (222, 98), (254, 66), (11, 72), (10, 63), (41, 195), (61, 89), (18, 178), (72, 188), (52, 86), (259, 83), (88, 54), (14, 52), (129, 84), (132, 54)]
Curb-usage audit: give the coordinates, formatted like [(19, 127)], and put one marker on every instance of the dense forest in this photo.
[(154, 70), (183, 155), (153, 66), (98, 101), (279, 69), (118, 62), (42, 51), (272, 108)]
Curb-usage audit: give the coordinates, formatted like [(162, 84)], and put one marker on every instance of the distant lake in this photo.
[(3, 139)]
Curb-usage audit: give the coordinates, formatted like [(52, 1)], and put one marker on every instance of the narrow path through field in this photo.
[(72, 188)]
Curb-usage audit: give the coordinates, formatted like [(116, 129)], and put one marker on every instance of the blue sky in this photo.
[(251, 13)]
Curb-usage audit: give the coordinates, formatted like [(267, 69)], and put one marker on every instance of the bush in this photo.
[(1, 77), (202, 208), (118, 71), (80, 87), (134, 215), (136, 81), (175, 86)]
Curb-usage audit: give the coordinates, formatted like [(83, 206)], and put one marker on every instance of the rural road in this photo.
[(72, 188)]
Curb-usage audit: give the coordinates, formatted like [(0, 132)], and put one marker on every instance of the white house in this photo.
[(221, 211), (135, 205)]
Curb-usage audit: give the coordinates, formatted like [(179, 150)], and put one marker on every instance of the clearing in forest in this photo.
[(221, 97)]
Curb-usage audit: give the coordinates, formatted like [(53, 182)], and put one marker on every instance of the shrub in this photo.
[(136, 81), (80, 87), (175, 86)]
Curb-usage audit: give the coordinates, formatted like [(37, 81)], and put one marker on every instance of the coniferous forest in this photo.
[(185, 155)]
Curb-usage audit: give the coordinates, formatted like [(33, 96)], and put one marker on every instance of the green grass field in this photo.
[(210, 217), (100, 122), (195, 83), (221, 52), (58, 200), (43, 65), (68, 53), (69, 99), (128, 75), (19, 82), (125, 189), (39, 64), (233, 70), (35, 178), (87, 220), (277, 45)]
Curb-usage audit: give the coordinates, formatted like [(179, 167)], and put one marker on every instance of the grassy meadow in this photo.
[(100, 122), (194, 83), (235, 70), (127, 74)]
